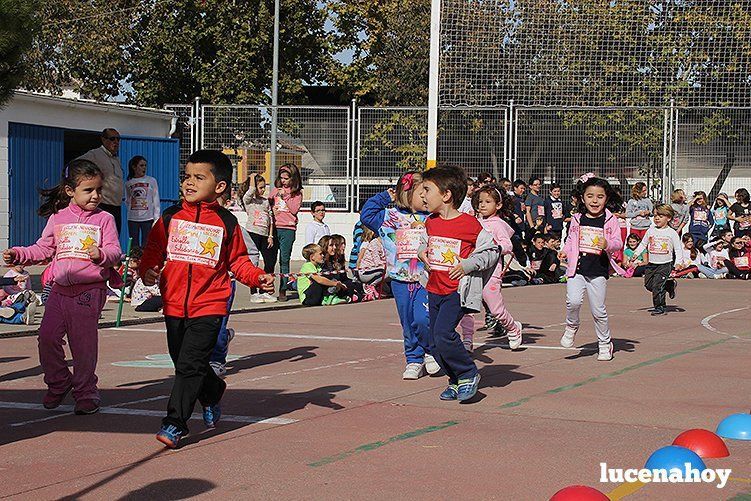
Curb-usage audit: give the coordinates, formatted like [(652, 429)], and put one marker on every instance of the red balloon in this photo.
[(703, 442), (579, 493)]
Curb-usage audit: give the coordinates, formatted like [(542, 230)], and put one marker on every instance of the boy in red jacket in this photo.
[(202, 243)]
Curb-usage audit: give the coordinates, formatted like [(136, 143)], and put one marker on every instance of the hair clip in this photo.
[(407, 181), (586, 177)]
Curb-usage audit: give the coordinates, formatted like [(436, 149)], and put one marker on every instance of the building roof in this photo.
[(126, 109)]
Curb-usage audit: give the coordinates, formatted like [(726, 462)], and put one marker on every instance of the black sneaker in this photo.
[(660, 310), (670, 287)]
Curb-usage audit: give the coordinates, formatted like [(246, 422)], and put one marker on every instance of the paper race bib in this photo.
[(744, 225), (260, 218), (717, 262), (658, 245), (535, 265), (73, 240), (443, 253), (194, 242), (540, 212), (139, 196), (557, 212), (741, 262), (408, 242), (281, 205), (590, 239), (700, 215)]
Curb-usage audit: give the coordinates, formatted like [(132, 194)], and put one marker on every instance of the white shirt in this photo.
[(314, 231), (142, 199), (661, 243), (466, 207)]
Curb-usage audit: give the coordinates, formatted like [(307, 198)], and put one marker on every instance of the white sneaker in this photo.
[(256, 298), (702, 275), (515, 340), (567, 340), (413, 371), (606, 352), (431, 366), (219, 368), (30, 314), (267, 298), (468, 345), (719, 275)]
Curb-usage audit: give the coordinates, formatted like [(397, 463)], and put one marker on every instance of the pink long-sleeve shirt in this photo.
[(75, 275), (612, 230), (285, 207), (502, 233)]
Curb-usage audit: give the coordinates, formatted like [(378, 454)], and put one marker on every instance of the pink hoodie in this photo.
[(612, 235), (74, 276), (502, 233), (285, 207)]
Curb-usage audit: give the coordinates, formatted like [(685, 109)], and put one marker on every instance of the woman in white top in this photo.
[(142, 201)]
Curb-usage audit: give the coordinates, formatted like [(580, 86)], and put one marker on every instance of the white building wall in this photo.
[(69, 114)]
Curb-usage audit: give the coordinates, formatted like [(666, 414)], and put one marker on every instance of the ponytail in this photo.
[(56, 198)]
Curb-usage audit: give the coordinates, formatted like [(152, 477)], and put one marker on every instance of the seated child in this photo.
[(312, 288), (371, 263), (542, 261), (715, 265), (145, 298), (20, 308), (634, 265)]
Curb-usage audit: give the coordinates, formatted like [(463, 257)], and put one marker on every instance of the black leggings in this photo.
[(268, 253)]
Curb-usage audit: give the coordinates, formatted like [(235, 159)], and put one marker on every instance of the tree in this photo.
[(173, 50), (18, 24)]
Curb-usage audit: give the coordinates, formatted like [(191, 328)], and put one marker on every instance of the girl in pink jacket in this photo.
[(592, 243), (82, 240), (493, 204)]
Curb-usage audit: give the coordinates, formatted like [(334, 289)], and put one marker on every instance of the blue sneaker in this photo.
[(468, 388), (211, 415), (170, 435), (450, 393)]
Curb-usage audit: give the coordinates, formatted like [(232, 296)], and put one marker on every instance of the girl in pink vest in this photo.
[(83, 243), (592, 245)]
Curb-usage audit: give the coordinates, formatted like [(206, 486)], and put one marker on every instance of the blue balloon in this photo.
[(736, 426), (674, 456)]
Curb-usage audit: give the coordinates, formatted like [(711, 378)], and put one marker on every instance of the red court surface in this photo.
[(316, 408)]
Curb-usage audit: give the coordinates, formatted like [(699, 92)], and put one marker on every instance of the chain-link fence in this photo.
[(623, 145), (347, 157), (316, 139), (713, 150)]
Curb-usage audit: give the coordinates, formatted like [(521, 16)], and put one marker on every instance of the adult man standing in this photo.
[(105, 157)]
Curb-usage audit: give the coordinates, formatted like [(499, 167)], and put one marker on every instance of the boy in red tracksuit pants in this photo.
[(202, 243)]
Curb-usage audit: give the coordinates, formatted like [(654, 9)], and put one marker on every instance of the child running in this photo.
[(494, 206), (591, 246), (456, 253), (401, 230), (202, 243), (83, 241), (663, 243)]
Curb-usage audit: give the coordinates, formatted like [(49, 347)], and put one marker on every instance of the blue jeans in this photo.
[(139, 231), (18, 309), (412, 306), (222, 341), (445, 343), (710, 272)]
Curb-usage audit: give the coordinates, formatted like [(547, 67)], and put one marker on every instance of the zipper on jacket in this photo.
[(190, 270)]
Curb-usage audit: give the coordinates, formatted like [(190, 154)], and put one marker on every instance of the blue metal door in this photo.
[(163, 164), (36, 161)]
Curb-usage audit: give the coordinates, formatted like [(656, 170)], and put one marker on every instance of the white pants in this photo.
[(596, 290)]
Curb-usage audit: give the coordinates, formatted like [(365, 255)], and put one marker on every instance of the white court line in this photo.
[(705, 322), (361, 339), (141, 412)]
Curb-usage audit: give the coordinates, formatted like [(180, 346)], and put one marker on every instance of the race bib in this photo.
[(73, 240), (281, 205), (260, 218), (700, 215), (717, 262), (741, 261), (658, 245), (540, 211), (194, 243), (408, 242), (744, 225), (557, 211), (443, 253), (535, 265), (139, 196), (590, 239)]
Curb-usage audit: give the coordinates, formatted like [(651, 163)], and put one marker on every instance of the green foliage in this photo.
[(18, 24)]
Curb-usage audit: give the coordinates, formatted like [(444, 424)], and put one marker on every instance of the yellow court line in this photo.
[(736, 479), (625, 489)]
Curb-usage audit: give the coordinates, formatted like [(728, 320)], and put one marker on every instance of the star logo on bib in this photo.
[(208, 247), (87, 243), (449, 256)]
